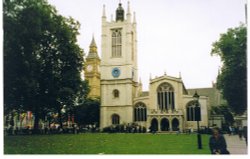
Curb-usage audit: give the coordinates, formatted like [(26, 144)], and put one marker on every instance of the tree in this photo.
[(232, 81), (88, 112), (42, 60), (225, 111)]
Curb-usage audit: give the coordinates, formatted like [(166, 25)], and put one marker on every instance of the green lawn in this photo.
[(105, 143)]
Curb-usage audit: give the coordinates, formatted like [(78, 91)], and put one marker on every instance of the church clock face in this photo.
[(89, 68), (116, 72)]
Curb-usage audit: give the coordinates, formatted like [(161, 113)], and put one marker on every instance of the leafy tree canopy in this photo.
[(232, 81), (42, 60), (88, 112), (225, 111)]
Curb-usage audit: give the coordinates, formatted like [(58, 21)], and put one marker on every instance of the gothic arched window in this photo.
[(192, 113), (116, 43), (115, 119), (116, 93), (165, 97), (140, 112)]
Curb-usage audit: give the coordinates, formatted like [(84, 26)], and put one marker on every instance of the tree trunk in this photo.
[(60, 118), (36, 123)]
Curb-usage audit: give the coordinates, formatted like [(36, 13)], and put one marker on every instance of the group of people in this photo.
[(125, 128), (28, 130)]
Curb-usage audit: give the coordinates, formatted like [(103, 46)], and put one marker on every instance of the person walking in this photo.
[(245, 133), (229, 130), (240, 131), (217, 143)]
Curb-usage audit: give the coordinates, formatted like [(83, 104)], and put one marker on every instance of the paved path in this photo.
[(235, 145)]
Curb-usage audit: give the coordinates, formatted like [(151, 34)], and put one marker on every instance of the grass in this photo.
[(105, 144)]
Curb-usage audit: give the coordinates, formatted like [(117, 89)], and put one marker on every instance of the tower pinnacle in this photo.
[(103, 15), (93, 49), (128, 13), (103, 11), (119, 13), (134, 19), (128, 9), (180, 75), (93, 44)]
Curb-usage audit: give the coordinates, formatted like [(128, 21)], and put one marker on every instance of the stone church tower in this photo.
[(119, 78), (92, 70)]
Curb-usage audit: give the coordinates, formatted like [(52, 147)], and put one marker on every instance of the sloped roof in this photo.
[(214, 95), (93, 50)]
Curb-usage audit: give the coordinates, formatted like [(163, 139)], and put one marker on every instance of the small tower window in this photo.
[(116, 43), (115, 119), (116, 93)]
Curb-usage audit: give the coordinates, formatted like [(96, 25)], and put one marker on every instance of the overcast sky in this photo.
[(173, 35)]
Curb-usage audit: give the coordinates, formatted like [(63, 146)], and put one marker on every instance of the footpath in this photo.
[(235, 145)]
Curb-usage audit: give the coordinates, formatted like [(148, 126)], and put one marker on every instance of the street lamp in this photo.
[(198, 118)]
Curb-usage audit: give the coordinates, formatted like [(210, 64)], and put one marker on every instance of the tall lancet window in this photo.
[(165, 97), (190, 108), (116, 43), (140, 112)]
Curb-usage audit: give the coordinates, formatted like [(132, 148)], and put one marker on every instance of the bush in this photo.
[(125, 128)]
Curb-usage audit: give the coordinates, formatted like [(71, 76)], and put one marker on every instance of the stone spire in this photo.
[(128, 9), (134, 18), (103, 14), (93, 44), (180, 75), (92, 49), (128, 13)]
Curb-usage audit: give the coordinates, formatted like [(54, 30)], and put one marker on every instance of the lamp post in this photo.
[(198, 118)]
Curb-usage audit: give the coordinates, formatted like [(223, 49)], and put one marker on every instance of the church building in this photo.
[(167, 106)]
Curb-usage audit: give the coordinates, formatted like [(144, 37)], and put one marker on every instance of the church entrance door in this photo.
[(164, 124), (154, 125), (175, 124)]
